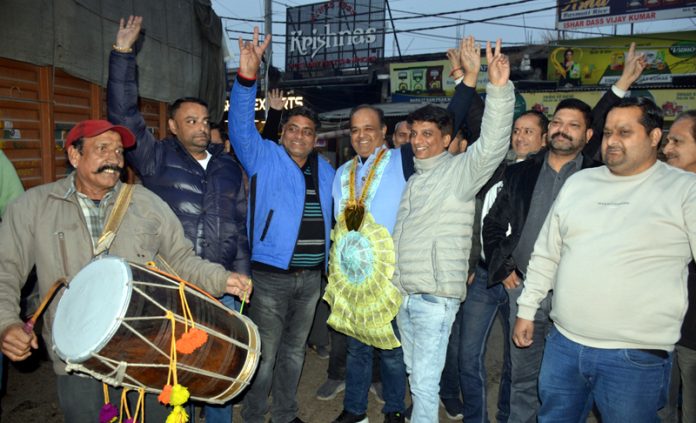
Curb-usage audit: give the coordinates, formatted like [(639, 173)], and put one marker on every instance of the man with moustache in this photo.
[(680, 151), (56, 227), (614, 249), (513, 222), (202, 184)]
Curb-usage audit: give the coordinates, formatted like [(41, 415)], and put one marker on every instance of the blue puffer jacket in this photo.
[(210, 203), (277, 189)]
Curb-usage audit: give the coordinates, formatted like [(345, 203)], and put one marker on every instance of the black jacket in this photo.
[(210, 203), (512, 203), (510, 210)]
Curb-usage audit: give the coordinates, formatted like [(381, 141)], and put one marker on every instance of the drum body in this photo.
[(112, 323)]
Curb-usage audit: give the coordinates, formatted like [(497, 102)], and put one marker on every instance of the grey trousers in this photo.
[(526, 362), (282, 307)]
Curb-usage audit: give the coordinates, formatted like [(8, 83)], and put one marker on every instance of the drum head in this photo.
[(91, 308)]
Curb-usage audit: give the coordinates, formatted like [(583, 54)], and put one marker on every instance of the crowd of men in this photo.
[(578, 237)]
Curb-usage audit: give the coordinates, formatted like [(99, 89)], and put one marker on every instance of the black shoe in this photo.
[(348, 417), (407, 414), (394, 417), (453, 408)]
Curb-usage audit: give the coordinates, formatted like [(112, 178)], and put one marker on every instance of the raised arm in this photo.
[(481, 160), (466, 62), (122, 97), (245, 138), (275, 112)]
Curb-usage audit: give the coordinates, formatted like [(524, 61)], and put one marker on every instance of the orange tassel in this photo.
[(165, 395), (191, 340)]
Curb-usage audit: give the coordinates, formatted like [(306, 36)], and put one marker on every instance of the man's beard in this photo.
[(572, 148)]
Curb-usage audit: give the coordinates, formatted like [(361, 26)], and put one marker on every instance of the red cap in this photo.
[(92, 128)]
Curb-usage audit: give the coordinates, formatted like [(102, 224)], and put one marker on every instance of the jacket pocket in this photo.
[(266, 225)]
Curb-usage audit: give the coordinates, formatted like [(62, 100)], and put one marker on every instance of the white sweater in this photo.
[(432, 236), (615, 251)]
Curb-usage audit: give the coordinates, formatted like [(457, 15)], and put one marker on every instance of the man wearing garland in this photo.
[(367, 192)]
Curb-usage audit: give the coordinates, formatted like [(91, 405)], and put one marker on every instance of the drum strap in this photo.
[(114, 220)]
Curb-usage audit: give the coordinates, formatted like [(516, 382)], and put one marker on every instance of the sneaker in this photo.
[(376, 388), (347, 417), (394, 417), (453, 408), (330, 389)]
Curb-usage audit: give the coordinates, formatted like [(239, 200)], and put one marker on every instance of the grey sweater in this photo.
[(432, 236)]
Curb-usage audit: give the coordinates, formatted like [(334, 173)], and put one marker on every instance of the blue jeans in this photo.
[(359, 376), (526, 362), (282, 307), (465, 366), (627, 385), (220, 413), (425, 322)]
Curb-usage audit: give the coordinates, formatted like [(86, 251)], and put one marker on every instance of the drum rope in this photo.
[(174, 394)]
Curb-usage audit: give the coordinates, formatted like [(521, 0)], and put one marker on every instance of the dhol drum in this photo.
[(112, 324)]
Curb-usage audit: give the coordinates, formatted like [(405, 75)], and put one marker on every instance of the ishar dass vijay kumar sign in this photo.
[(333, 35)]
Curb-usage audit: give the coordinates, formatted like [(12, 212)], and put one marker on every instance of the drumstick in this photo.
[(241, 308), (29, 324)]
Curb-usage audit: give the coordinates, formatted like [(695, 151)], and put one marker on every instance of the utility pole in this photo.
[(268, 29), (396, 38)]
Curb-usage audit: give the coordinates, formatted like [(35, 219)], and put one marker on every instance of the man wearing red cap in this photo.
[(55, 227)]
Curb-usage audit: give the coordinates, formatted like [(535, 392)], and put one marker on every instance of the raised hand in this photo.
[(128, 32), (498, 65), (275, 99), (470, 59), (250, 54), (453, 56), (634, 64)]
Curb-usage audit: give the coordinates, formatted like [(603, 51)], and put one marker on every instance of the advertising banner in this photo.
[(672, 101), (336, 34), (427, 81), (579, 14), (599, 61)]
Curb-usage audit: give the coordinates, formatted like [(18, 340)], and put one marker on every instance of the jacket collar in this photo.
[(64, 188), (424, 165)]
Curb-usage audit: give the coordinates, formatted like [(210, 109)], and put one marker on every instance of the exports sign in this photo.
[(579, 14), (336, 34)]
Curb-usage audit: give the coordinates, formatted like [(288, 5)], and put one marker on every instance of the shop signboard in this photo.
[(427, 81), (322, 38), (580, 14), (671, 101), (600, 61)]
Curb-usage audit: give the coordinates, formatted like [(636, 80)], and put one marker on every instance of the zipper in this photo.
[(265, 227), (304, 203), (63, 253)]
